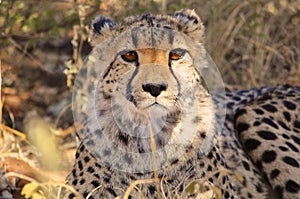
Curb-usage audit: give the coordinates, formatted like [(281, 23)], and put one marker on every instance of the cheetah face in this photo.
[(151, 82), (145, 76), (146, 83)]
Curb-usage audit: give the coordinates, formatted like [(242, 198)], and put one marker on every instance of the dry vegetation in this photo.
[(253, 43)]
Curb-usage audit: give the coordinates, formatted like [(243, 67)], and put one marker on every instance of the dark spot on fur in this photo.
[(224, 179), (259, 188), (269, 156), (296, 139), (210, 155), (74, 182), (274, 173), (240, 113), (217, 174), (106, 178), (258, 111), (256, 123), (111, 191), (287, 116), (124, 138), (251, 144), (82, 181), (98, 165), (80, 166), (259, 165), (249, 195), (74, 173), (71, 196), (203, 135), (85, 194), (291, 161), (230, 105), (285, 136), (236, 98), (81, 148), (279, 191), (86, 159), (151, 189), (209, 168), (270, 108), (246, 165), (283, 148), (289, 105), (292, 147), (96, 175), (244, 101), (292, 186), (267, 135), (174, 161), (283, 125), (270, 123), (297, 124), (242, 127), (95, 183), (218, 157), (226, 194), (77, 154), (91, 170)]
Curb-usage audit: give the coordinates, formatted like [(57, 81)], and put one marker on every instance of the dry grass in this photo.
[(255, 43)]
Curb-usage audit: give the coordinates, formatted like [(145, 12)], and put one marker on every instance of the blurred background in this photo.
[(42, 44)]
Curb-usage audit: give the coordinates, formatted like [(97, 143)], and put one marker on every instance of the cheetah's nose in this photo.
[(154, 89)]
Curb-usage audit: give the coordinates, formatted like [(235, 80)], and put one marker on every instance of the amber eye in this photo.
[(130, 56), (176, 54)]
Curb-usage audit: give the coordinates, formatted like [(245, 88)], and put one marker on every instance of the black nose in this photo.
[(154, 89)]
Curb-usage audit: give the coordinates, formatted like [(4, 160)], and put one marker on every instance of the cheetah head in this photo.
[(147, 71)]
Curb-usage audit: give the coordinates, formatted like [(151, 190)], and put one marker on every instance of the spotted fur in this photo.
[(252, 155)]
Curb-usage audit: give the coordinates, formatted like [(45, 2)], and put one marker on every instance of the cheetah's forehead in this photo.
[(148, 31), (145, 37)]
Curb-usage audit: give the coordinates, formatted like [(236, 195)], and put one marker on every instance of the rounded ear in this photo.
[(100, 28), (191, 24)]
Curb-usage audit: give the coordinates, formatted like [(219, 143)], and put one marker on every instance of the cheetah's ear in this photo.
[(100, 28), (191, 24)]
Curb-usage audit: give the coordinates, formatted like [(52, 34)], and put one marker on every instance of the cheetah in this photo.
[(155, 121)]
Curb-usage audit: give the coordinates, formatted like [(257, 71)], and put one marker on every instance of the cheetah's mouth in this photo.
[(155, 104), (148, 103)]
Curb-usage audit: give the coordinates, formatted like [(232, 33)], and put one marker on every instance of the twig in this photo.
[(31, 57), (61, 113), (90, 194), (18, 133), (1, 104), (154, 159)]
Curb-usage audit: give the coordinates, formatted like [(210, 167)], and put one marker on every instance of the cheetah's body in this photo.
[(254, 155)]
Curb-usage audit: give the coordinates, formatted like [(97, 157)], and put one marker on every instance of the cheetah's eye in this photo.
[(130, 56), (176, 54)]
